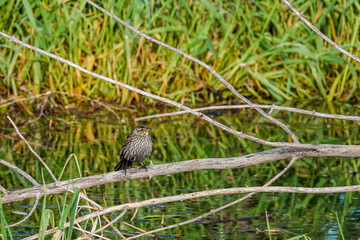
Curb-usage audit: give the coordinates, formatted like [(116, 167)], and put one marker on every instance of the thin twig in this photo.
[(220, 78), (139, 229), (96, 206), (32, 150), (113, 221), (318, 32), (90, 233), (96, 222), (49, 93), (21, 172), (28, 215), (134, 215), (42, 106), (33, 181), (271, 107), (3, 190), (8, 102)]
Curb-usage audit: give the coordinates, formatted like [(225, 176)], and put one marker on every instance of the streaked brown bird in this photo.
[(137, 147)]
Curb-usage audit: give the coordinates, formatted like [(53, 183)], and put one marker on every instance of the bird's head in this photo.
[(141, 130)]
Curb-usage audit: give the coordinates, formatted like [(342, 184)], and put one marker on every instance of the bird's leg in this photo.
[(143, 165), (126, 167)]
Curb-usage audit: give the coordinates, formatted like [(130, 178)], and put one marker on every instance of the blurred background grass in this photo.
[(260, 47)]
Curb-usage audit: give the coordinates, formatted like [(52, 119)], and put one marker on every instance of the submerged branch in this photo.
[(179, 167)]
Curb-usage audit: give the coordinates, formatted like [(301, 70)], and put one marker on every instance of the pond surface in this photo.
[(96, 137)]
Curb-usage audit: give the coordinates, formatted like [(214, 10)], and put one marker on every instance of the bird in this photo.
[(137, 146)]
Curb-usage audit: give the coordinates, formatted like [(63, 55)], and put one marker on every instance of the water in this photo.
[(96, 139)]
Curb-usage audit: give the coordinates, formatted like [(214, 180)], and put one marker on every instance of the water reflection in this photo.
[(96, 139)]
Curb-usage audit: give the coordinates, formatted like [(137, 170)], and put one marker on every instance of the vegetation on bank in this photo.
[(260, 47)]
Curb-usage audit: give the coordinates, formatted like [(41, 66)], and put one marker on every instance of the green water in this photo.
[(97, 136)]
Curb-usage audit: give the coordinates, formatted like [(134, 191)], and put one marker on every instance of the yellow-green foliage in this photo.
[(260, 47)]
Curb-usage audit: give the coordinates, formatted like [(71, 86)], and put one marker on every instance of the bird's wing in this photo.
[(127, 141)]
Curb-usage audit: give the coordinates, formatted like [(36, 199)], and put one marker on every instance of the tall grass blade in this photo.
[(45, 217), (339, 225), (268, 224), (3, 223), (73, 207)]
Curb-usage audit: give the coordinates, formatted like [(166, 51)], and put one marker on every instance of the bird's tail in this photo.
[(123, 164)]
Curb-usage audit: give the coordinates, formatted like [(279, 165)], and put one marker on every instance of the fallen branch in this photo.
[(179, 167)]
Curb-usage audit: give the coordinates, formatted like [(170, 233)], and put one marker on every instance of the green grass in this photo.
[(261, 48), (5, 231)]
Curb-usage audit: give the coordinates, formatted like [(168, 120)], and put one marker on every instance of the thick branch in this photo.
[(179, 167)]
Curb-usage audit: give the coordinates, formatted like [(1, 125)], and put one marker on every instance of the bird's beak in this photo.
[(147, 129)]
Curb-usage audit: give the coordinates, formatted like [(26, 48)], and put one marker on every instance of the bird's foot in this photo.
[(144, 166)]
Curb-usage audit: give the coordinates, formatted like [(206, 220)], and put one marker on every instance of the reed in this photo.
[(259, 47)]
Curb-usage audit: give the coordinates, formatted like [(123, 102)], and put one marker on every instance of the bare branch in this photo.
[(32, 180), (220, 78), (271, 107), (176, 104), (87, 232), (8, 102), (21, 172), (32, 150), (29, 214), (139, 229), (15, 100), (183, 166), (318, 32), (113, 221)]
